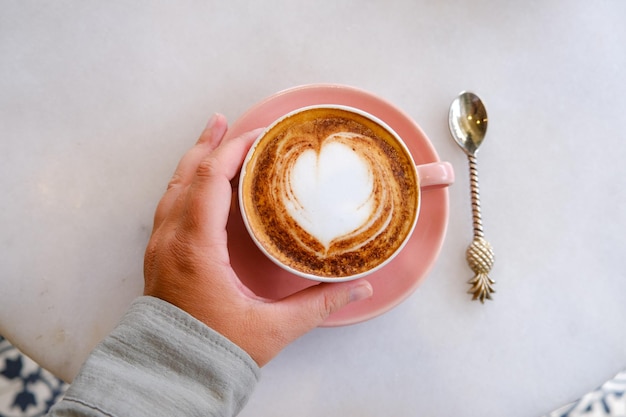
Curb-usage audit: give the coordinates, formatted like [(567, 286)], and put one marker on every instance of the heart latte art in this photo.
[(329, 192)]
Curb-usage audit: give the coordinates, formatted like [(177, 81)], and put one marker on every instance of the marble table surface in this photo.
[(98, 100)]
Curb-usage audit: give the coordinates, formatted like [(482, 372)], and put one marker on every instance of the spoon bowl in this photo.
[(468, 122)]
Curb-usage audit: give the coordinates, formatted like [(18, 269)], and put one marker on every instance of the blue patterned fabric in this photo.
[(26, 390), (609, 400)]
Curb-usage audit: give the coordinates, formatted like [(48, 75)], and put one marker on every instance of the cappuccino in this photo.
[(329, 192)]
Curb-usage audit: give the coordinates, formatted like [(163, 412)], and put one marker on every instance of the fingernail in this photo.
[(361, 291), (211, 121)]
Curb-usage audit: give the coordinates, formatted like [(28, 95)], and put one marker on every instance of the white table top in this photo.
[(99, 101)]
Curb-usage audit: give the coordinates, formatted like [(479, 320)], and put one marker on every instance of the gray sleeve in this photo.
[(160, 361)]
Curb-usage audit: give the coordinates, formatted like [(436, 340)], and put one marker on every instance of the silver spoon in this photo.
[(468, 124)]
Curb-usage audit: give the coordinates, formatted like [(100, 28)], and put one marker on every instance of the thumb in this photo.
[(286, 320), (307, 309)]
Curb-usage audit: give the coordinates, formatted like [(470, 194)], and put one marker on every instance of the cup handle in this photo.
[(435, 174)]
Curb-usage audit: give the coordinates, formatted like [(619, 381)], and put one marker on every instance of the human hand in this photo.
[(187, 262)]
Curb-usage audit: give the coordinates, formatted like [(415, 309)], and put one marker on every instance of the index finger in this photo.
[(210, 139), (208, 199)]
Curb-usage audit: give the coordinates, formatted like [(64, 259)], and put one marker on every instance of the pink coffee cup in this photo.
[(299, 202)]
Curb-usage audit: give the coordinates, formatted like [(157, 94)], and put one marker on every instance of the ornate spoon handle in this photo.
[(480, 256)]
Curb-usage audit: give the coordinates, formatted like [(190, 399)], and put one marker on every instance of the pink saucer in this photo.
[(394, 282)]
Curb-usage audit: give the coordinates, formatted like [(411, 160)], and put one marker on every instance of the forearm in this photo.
[(161, 361)]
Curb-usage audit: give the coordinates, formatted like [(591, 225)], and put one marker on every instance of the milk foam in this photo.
[(331, 190), (330, 193)]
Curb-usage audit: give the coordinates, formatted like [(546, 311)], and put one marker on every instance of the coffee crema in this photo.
[(330, 193)]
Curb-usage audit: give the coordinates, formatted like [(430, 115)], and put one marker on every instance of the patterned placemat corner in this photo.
[(26, 389), (608, 400)]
